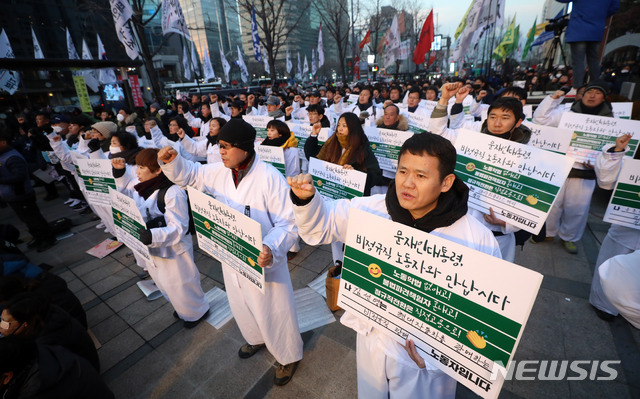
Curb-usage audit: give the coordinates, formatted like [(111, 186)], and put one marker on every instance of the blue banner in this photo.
[(254, 35)]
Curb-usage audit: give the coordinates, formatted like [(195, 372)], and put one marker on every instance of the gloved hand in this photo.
[(94, 145), (145, 236), (47, 129)]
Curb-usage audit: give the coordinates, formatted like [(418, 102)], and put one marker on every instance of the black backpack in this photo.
[(162, 207)]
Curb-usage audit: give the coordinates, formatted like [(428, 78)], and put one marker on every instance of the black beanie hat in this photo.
[(238, 133), (598, 84)]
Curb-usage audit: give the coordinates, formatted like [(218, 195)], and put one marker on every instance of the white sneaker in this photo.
[(70, 200), (100, 226), (107, 231), (74, 203)]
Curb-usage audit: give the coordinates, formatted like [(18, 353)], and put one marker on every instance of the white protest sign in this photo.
[(465, 310), (624, 205), (419, 121), (335, 182), (259, 123), (302, 131), (528, 112), (591, 133), (352, 99), (519, 182), (622, 110), (128, 221), (273, 156), (98, 178), (228, 235), (75, 156), (385, 144), (549, 138)]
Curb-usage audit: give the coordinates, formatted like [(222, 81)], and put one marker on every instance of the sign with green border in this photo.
[(386, 144), (128, 221), (273, 156), (334, 182), (97, 176), (624, 205)]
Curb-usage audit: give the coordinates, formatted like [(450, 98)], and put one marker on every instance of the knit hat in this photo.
[(156, 106), (105, 128), (598, 85), (239, 134)]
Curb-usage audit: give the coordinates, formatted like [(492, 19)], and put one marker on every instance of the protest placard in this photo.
[(419, 121), (465, 310), (259, 123), (622, 110), (624, 205), (228, 235), (519, 182), (97, 176), (335, 182), (128, 221), (75, 156), (302, 131), (385, 144), (273, 156), (549, 138), (527, 110), (592, 132)]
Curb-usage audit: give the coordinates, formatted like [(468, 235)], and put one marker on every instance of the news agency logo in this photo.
[(554, 370)]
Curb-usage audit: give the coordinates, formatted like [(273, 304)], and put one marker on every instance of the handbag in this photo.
[(332, 284)]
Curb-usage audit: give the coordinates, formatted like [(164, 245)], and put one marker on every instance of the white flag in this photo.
[(314, 69), (90, 78), (473, 21), (8, 79), (71, 49), (320, 48), (393, 43), (209, 74), (194, 60), (37, 50), (225, 64), (265, 60), (244, 73), (305, 68), (185, 64), (121, 12), (299, 67), (289, 63), (173, 19), (105, 75)]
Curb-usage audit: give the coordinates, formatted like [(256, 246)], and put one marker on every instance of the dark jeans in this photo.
[(580, 50), (29, 213)]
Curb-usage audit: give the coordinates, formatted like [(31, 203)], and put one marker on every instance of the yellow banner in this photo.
[(83, 95)]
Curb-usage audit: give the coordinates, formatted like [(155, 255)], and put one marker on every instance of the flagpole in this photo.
[(486, 70)]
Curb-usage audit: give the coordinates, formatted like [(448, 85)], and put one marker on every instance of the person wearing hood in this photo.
[(392, 119), (30, 370), (568, 216), (129, 121), (365, 109), (253, 187), (504, 121), (207, 147), (166, 234), (425, 195)]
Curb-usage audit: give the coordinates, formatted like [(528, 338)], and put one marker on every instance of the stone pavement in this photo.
[(145, 352)]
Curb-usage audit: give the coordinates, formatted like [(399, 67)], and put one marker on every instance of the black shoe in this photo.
[(603, 315), (284, 373), (45, 245), (246, 351), (87, 210), (79, 206), (50, 197), (291, 255), (175, 315), (33, 243), (191, 324)]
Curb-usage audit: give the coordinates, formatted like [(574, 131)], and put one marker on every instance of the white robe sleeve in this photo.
[(438, 125), (608, 166), (549, 112), (193, 147), (186, 173), (291, 162), (281, 237), (322, 221), (176, 216)]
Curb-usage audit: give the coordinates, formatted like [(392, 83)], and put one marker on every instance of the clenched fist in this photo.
[(302, 186), (167, 154)]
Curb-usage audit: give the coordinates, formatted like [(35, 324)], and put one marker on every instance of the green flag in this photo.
[(504, 48), (463, 23), (530, 36)]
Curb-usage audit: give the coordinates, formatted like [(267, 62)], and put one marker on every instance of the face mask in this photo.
[(624, 71), (344, 141), (120, 117), (114, 150), (558, 75), (57, 129)]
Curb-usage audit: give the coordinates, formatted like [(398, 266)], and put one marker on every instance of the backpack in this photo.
[(162, 207)]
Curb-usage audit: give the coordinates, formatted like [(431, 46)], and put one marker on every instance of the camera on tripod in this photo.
[(557, 25)]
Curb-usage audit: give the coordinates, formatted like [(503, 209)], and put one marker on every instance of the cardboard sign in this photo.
[(519, 182), (259, 123), (128, 221), (386, 144), (228, 235), (549, 138), (465, 310), (273, 156), (302, 131), (624, 205), (334, 182), (622, 110), (98, 178), (591, 133)]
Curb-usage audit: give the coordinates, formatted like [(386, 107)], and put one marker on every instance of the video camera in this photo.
[(557, 25)]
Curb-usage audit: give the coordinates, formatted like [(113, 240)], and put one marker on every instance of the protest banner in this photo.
[(519, 182), (259, 123), (592, 132), (227, 235), (624, 205), (82, 93), (549, 138), (302, 131), (128, 221), (465, 310), (622, 110), (136, 92), (273, 156), (334, 182), (97, 176), (527, 110), (419, 121), (385, 144)]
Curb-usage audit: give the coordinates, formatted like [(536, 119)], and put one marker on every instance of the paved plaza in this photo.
[(146, 353)]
